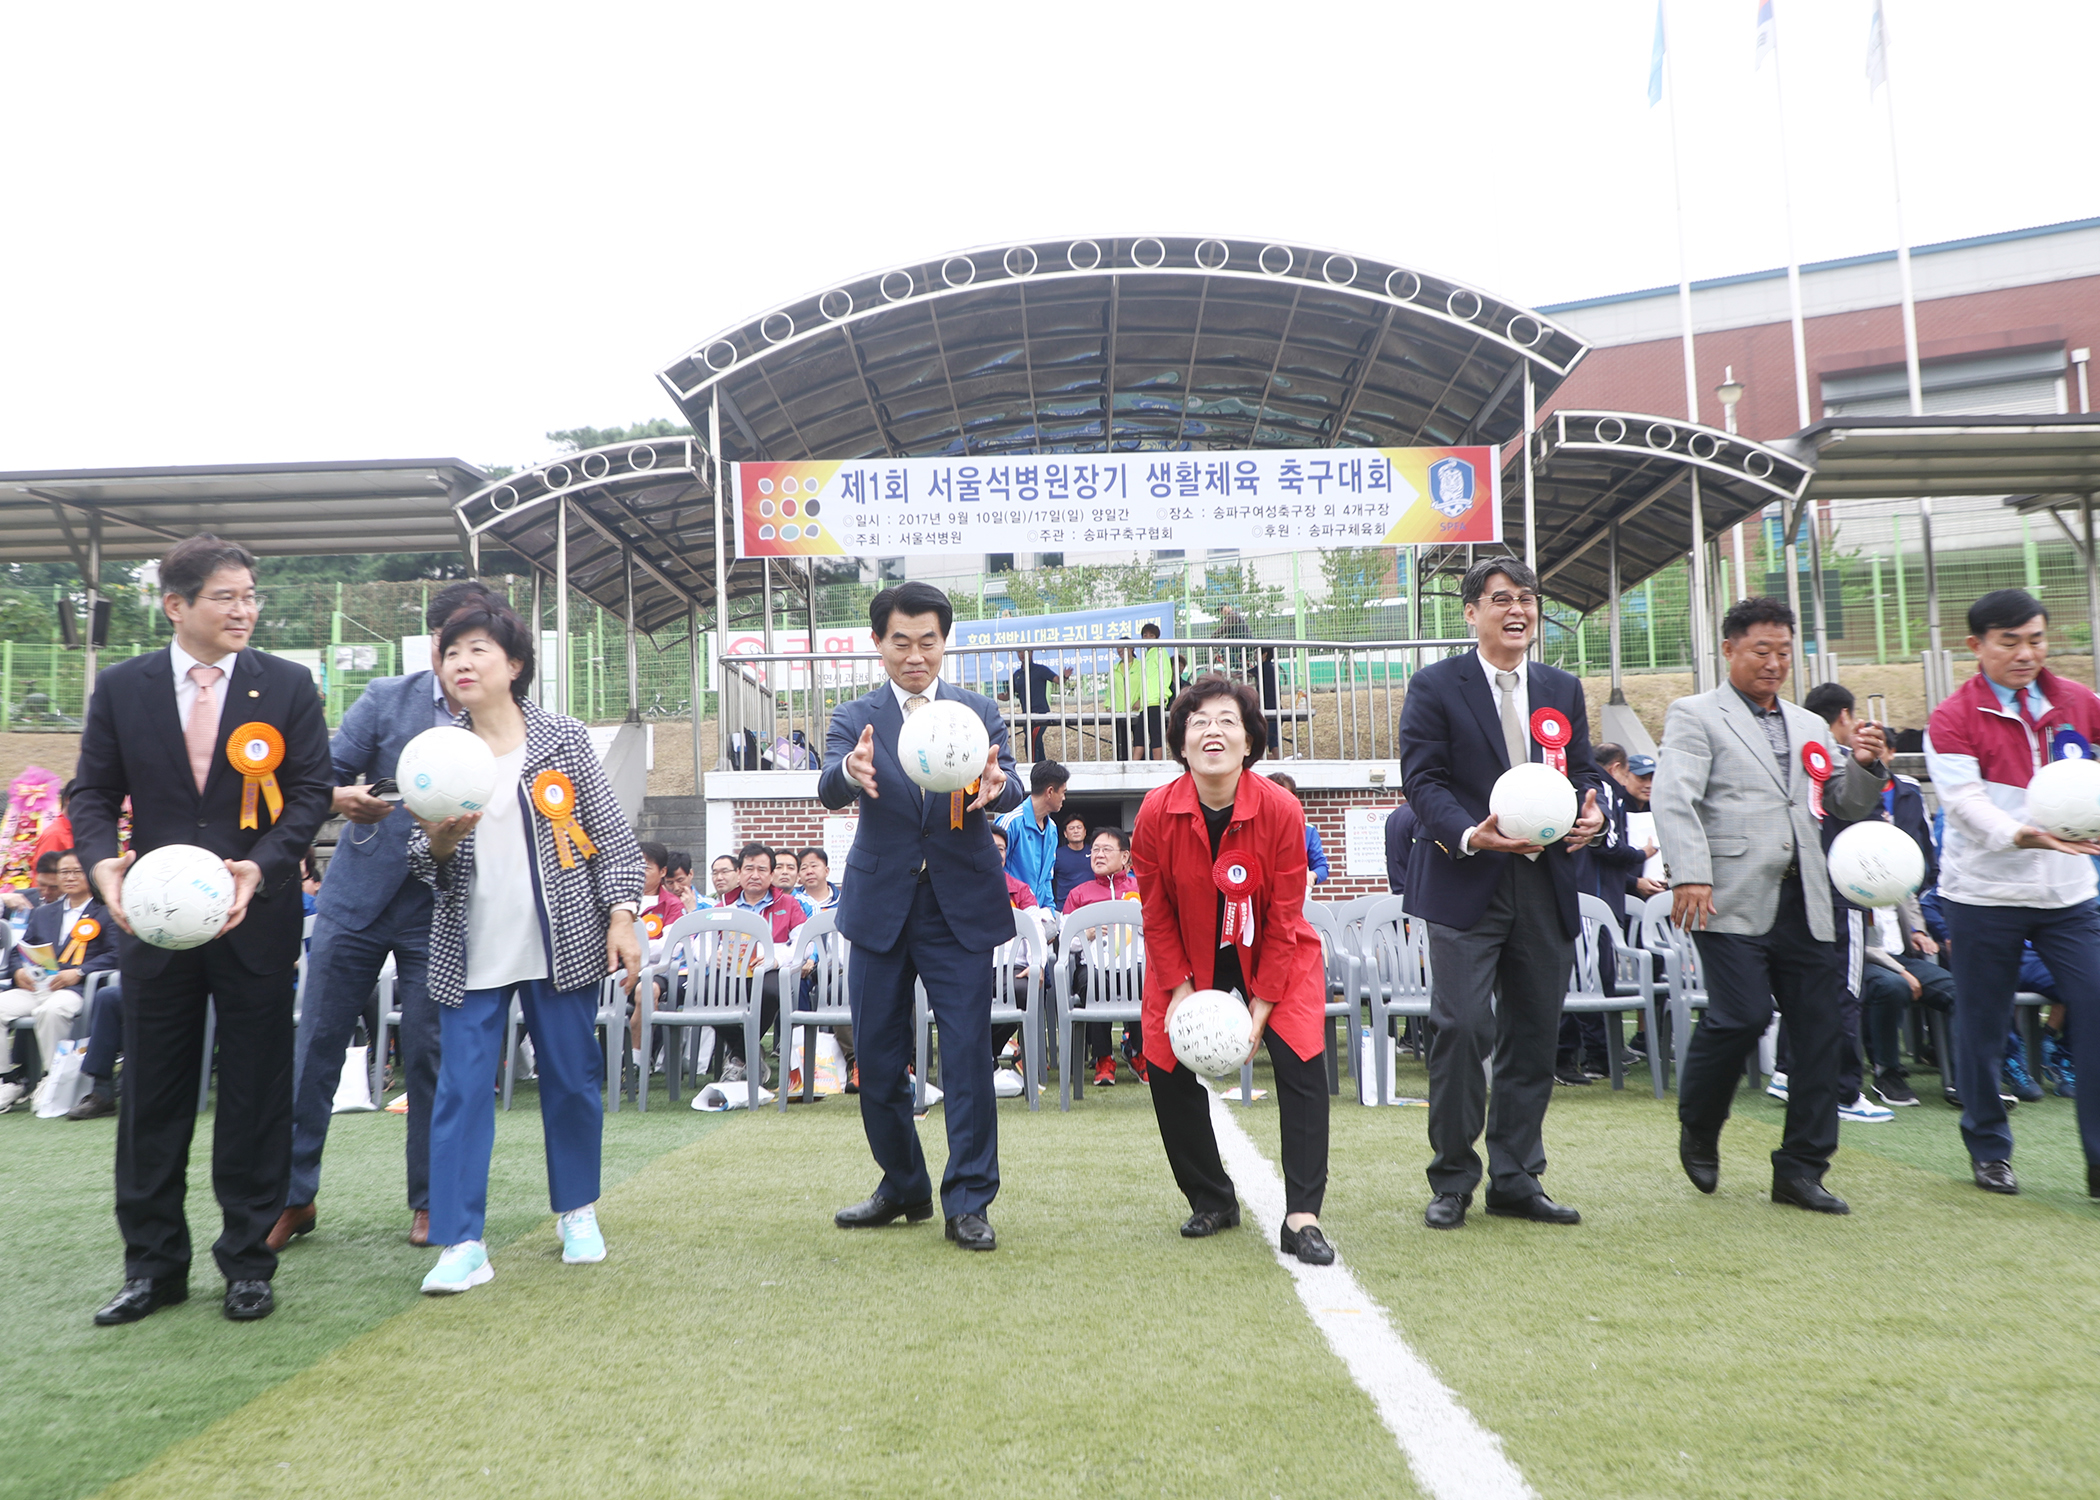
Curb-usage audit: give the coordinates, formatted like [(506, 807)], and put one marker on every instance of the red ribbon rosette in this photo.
[(1550, 727), (1815, 759), (1237, 876)]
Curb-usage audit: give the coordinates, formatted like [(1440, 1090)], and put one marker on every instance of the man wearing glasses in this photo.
[(1501, 912)]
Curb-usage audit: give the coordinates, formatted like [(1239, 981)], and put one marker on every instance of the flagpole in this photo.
[(1910, 316), (1701, 667), (1793, 261)]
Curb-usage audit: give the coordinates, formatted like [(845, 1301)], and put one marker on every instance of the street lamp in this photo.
[(1730, 390)]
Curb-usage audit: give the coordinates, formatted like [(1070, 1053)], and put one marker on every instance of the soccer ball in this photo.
[(1533, 802), (1210, 1032), (2064, 798), (178, 896), (943, 746), (1876, 864), (444, 772)]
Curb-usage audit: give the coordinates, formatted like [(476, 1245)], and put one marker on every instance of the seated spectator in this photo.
[(1112, 882), (678, 875), (785, 872), (783, 914), (1022, 899), (657, 896), (105, 1046), (1075, 866), (722, 875), (1899, 970), (815, 892), (83, 941), (1017, 891), (1316, 871), (42, 892)]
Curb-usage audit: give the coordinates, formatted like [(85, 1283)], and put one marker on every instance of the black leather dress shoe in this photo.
[(878, 1211), (248, 1300), (1806, 1192), (972, 1232), (141, 1297), (1538, 1208), (1447, 1210), (1701, 1158), (1308, 1244), (93, 1106), (1995, 1177), (1569, 1073), (1203, 1225)]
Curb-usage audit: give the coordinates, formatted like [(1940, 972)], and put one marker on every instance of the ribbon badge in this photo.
[(652, 924), (1815, 759), (1550, 727), (2068, 744), (85, 931), (1237, 876), (555, 796), (955, 802), (256, 751)]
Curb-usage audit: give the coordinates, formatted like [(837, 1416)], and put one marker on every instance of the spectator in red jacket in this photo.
[(1110, 856), (783, 914), (1017, 890), (1184, 831)]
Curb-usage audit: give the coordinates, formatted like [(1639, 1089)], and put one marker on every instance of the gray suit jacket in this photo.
[(1726, 817), (371, 862)]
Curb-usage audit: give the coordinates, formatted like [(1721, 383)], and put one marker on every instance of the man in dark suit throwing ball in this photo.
[(922, 899)]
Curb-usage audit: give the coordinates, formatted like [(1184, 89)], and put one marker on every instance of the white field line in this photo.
[(1452, 1455)]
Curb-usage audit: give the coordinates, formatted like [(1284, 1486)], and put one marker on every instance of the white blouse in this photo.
[(505, 945)]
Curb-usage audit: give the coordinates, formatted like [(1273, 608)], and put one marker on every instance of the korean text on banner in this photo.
[(1088, 638), (1266, 498)]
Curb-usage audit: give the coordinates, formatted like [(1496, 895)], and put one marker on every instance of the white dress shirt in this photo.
[(1523, 697), (186, 686)]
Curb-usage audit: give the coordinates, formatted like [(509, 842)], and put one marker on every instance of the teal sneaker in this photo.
[(461, 1267), (581, 1241)]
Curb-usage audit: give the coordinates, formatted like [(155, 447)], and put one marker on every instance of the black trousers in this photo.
[(251, 1152), (1182, 1105), (1745, 977), (1150, 726), (768, 1013)]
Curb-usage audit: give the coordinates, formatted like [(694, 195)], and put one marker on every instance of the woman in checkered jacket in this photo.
[(537, 898)]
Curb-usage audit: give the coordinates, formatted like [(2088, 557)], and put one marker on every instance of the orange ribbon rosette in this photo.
[(85, 931), (555, 796), (256, 751), (652, 924)]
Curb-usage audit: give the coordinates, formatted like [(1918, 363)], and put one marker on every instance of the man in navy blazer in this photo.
[(1501, 913), (160, 731), (921, 900), (370, 907)]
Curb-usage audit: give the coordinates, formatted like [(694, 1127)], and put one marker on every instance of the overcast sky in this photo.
[(290, 232)]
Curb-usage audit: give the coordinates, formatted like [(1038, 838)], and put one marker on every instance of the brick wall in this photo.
[(780, 824)]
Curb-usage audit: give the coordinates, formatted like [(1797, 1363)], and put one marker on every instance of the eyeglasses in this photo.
[(229, 601), (1502, 599), (1201, 723)]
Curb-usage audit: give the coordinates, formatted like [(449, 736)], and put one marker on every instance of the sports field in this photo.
[(1938, 1342)]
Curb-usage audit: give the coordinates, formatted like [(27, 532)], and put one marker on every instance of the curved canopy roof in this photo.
[(1152, 342)]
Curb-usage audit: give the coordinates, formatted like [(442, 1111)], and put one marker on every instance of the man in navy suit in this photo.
[(369, 907), (162, 731), (921, 900), (1501, 912)]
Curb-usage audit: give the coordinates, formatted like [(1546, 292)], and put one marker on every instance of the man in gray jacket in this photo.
[(1735, 805)]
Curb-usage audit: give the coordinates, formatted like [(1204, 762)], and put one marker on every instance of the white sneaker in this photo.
[(1864, 1111), (582, 1243), (733, 1071), (9, 1094), (460, 1268), (1777, 1087)]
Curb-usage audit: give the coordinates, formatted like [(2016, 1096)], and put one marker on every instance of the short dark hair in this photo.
[(484, 612), (1608, 754), (1000, 834), (64, 854), (681, 863), (1830, 699), (1208, 688), (1045, 774), (914, 598), (657, 855), (47, 862), (752, 851), (1288, 782), (451, 597), (65, 793), (2004, 609), (1115, 831), (719, 858), (1149, 630), (1509, 567), (192, 561), (822, 857), (1758, 609)]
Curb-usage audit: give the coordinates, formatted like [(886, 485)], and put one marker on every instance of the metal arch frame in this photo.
[(1555, 349), (1572, 431)]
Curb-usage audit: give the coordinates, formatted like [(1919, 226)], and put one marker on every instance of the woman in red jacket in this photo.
[(1185, 831)]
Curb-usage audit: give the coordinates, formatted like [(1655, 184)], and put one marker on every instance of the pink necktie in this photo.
[(201, 734)]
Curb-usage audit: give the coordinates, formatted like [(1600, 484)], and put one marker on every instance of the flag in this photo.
[(1655, 58), (1767, 31), (1877, 51)]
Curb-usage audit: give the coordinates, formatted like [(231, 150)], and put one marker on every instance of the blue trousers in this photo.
[(563, 1027), (880, 987), (1986, 956), (105, 1032), (342, 967)]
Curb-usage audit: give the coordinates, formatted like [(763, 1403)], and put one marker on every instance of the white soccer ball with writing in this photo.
[(1876, 864), (445, 772), (1210, 1032), (1533, 802), (178, 896), (943, 746), (2064, 798)]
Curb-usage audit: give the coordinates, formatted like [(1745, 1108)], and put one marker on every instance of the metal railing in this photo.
[(1322, 700)]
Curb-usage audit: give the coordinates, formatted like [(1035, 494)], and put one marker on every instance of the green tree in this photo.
[(577, 438)]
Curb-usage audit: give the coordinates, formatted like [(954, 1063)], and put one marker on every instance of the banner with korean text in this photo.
[(1261, 499)]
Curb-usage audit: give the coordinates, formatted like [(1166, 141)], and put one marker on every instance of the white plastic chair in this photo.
[(818, 938), (1339, 956), (1681, 977), (1114, 956), (1016, 1001), (712, 973), (1392, 979), (1586, 989)]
